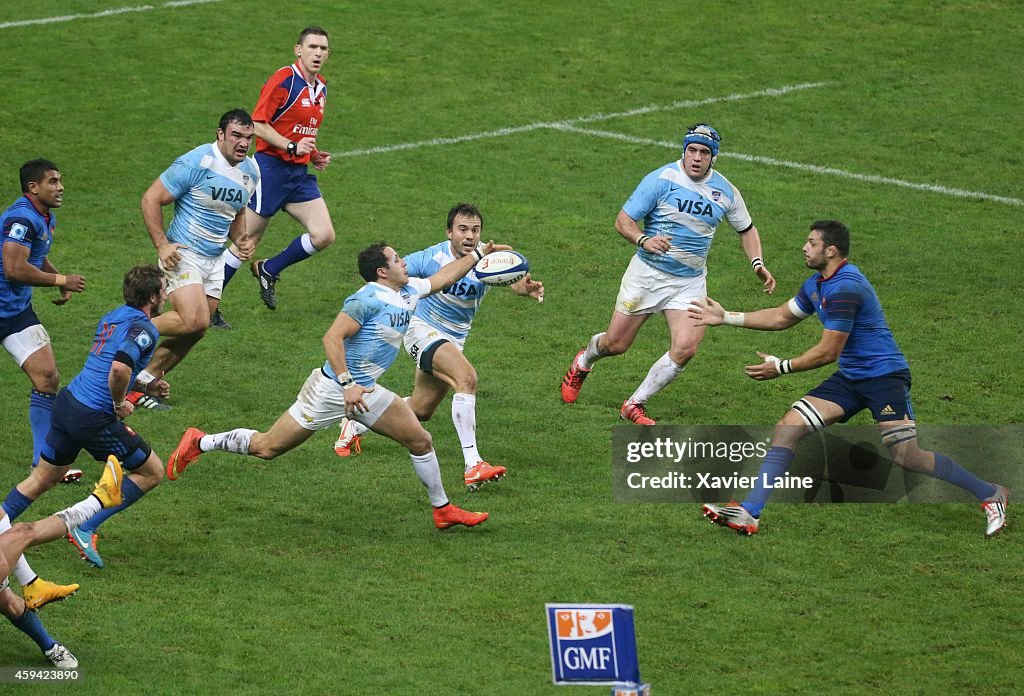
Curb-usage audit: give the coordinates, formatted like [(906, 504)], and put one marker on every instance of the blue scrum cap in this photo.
[(703, 134)]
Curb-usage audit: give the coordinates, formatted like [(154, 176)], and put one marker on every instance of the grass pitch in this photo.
[(312, 574)]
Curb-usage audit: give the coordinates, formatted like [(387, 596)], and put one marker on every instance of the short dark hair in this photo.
[(239, 116), (466, 210), (834, 233), (370, 259), (314, 30), (141, 283), (34, 171)]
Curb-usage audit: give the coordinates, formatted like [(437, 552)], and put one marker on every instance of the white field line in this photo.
[(570, 125), (101, 13), (501, 132), (813, 168)]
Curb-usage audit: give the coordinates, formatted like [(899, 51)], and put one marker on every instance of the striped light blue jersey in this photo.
[(451, 310), (23, 224), (208, 193), (847, 302), (383, 315), (688, 212), (126, 331)]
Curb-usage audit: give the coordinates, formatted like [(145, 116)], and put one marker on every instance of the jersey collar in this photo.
[(840, 267), (315, 88)]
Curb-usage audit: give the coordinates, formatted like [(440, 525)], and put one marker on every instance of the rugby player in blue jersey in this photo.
[(435, 340), (681, 205), (16, 539), (88, 413), (873, 375), (361, 344), (209, 187), (27, 230)]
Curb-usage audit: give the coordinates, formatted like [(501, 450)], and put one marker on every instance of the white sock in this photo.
[(22, 571), (429, 473), (590, 355), (464, 418), (307, 244), (74, 516), (235, 441), (231, 260), (354, 426), (660, 375)]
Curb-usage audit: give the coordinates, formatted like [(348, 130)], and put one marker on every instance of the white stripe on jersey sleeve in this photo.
[(795, 309)]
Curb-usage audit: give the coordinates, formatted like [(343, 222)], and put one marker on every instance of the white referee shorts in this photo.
[(196, 269), (26, 342), (321, 403), (646, 290)]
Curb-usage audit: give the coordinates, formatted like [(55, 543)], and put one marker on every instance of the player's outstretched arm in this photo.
[(457, 269), (528, 287), (825, 352), (708, 312)]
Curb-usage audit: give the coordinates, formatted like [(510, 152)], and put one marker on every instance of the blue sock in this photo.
[(300, 249), (40, 405), (774, 465), (230, 269), (16, 503), (130, 493), (948, 470), (29, 624)]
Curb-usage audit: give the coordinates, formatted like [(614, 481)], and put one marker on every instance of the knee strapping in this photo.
[(811, 416), (897, 436)]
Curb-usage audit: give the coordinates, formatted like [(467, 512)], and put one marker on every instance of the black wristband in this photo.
[(292, 148), (641, 239)]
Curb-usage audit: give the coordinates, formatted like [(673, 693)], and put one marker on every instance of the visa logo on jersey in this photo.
[(592, 644)]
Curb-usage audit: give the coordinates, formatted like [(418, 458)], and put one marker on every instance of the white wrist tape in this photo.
[(734, 318)]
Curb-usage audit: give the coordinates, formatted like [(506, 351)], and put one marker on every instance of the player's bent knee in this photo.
[(47, 380), (616, 346), (420, 443), (466, 383), (682, 354), (422, 414), (322, 239), (11, 605)]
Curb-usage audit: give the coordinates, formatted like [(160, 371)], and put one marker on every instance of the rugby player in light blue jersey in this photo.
[(209, 188), (873, 375), (27, 230), (681, 205), (435, 340), (361, 344), (88, 413)]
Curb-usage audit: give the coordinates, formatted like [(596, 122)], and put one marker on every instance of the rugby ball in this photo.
[(501, 268)]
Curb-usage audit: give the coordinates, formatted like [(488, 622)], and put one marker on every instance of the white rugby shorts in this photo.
[(422, 335), (26, 342), (646, 290), (194, 269), (321, 403)]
